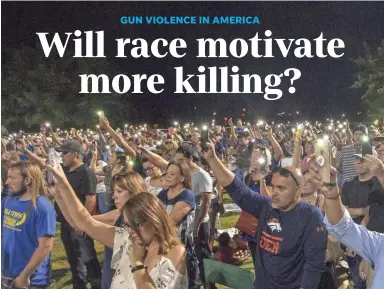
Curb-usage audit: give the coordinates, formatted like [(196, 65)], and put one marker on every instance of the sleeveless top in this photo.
[(107, 269)]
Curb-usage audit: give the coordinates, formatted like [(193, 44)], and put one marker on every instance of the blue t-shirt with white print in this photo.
[(22, 226)]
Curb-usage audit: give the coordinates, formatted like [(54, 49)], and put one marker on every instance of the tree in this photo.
[(37, 89), (370, 79)]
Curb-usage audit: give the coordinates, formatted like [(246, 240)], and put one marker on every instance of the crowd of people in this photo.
[(152, 198)]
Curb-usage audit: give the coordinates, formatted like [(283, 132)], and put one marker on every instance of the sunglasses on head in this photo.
[(287, 173)]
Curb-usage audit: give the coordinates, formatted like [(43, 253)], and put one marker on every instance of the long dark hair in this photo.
[(146, 208)]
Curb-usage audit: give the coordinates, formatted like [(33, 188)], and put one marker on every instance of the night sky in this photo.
[(323, 89)]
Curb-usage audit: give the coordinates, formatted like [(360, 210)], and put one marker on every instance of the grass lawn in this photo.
[(60, 266)]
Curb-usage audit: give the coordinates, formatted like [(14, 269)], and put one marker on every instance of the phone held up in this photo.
[(366, 147), (101, 114), (323, 159), (204, 137), (52, 161)]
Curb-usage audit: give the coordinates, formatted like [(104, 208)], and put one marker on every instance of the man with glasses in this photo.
[(291, 238), (79, 247)]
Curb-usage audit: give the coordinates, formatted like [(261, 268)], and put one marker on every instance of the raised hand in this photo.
[(376, 166)]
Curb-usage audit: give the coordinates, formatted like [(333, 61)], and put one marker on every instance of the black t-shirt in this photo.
[(376, 207), (355, 194), (83, 182)]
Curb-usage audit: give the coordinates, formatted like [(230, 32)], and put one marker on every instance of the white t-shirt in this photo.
[(153, 190), (201, 183)]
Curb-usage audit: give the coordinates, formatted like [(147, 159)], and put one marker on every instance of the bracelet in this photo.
[(137, 268), (332, 198)]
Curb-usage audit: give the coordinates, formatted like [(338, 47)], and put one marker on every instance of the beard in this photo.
[(20, 192)]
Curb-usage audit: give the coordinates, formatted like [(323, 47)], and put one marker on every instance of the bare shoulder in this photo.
[(177, 255)]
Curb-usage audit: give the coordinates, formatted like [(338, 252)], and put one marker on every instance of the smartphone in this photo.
[(204, 137), (101, 114), (323, 159), (366, 146), (51, 162)]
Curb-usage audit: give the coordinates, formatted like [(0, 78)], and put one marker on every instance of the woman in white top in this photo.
[(154, 180), (146, 252)]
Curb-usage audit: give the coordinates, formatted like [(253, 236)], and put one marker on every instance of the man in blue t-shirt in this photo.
[(28, 228)]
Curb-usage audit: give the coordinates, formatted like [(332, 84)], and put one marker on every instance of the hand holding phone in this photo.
[(204, 137), (366, 146), (323, 160), (52, 161)]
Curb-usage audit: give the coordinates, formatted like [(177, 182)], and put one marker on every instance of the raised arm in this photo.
[(245, 198), (277, 150), (155, 159), (82, 219), (340, 224), (104, 123)]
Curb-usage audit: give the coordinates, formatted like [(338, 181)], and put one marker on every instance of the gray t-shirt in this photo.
[(201, 183)]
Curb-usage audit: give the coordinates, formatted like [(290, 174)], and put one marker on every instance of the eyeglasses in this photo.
[(127, 226), (286, 173)]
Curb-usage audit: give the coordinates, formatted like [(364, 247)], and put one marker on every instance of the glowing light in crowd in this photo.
[(297, 112), (293, 130), (214, 113), (343, 131), (125, 125), (326, 137), (365, 138), (204, 127), (299, 126), (195, 128), (47, 124), (175, 123), (108, 147), (97, 126), (376, 122), (158, 143), (261, 161), (320, 141), (340, 126)]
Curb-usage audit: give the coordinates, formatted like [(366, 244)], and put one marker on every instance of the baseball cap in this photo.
[(378, 137), (188, 150), (362, 128), (70, 146)]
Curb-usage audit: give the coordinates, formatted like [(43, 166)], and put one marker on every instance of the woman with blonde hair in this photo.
[(146, 251), (125, 185)]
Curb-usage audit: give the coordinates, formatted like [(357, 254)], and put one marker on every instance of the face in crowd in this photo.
[(125, 186), (69, 158), (286, 188), (358, 137), (361, 166), (146, 220), (309, 187), (177, 174), (150, 169)]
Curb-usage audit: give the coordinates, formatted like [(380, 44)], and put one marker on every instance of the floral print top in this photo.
[(164, 274)]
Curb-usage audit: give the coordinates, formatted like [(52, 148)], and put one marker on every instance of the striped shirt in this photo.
[(347, 162)]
